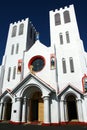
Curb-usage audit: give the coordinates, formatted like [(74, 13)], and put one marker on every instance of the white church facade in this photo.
[(43, 84)]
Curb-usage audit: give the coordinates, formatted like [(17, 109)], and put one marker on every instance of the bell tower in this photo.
[(21, 37), (64, 35), (63, 26)]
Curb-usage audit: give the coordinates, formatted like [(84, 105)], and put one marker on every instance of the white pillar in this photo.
[(1, 110), (18, 104), (84, 108), (24, 110), (58, 110), (62, 110), (80, 112), (46, 110), (65, 111)]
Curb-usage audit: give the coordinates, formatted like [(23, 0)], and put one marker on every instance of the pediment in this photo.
[(32, 80), (6, 92), (40, 47), (70, 88)]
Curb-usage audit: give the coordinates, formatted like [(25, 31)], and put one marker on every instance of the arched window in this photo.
[(61, 38), (57, 19), (52, 61), (64, 65), (14, 31), (14, 72), (67, 37), (66, 17), (21, 29), (71, 64), (84, 83), (12, 49), (9, 74), (19, 68), (17, 48)]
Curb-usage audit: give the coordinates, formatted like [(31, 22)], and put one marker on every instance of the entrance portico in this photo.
[(35, 106), (71, 105), (31, 102)]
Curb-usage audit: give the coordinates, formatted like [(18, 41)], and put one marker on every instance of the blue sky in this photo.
[(38, 12)]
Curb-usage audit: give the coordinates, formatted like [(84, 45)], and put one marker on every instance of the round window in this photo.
[(37, 63)]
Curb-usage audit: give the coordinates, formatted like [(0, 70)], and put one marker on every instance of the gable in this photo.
[(69, 89), (37, 48), (5, 94), (30, 81)]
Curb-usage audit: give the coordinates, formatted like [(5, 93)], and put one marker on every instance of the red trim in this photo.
[(85, 76), (20, 61), (65, 123), (71, 87), (51, 124), (46, 124), (35, 122), (16, 123), (52, 56), (73, 123), (44, 82)]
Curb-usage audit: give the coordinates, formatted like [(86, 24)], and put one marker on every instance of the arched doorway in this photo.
[(36, 107), (71, 107), (7, 108)]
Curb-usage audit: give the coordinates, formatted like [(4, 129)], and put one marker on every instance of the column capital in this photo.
[(62, 100), (78, 99), (18, 98), (25, 99), (46, 97)]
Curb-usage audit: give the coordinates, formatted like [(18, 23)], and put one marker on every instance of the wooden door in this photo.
[(41, 111)]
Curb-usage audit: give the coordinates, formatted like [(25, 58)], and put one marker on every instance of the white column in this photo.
[(80, 112), (84, 108), (46, 109), (65, 111), (58, 111), (24, 110), (18, 104), (62, 110), (1, 110)]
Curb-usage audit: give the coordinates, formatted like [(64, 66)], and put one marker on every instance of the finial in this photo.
[(37, 36)]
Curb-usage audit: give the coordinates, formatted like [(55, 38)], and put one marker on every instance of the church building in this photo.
[(41, 84)]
